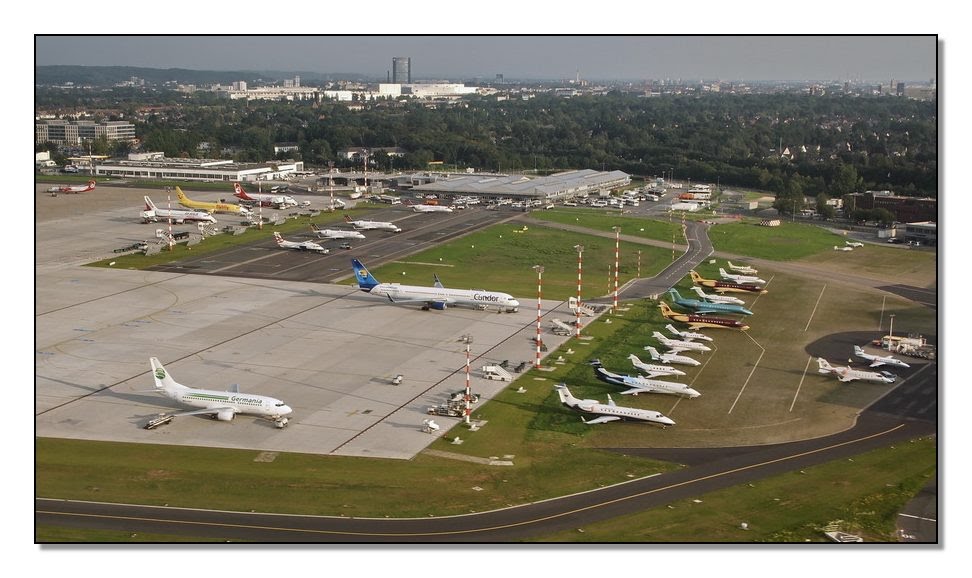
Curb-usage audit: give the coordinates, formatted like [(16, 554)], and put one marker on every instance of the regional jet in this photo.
[(671, 357), (848, 374), (436, 297), (610, 411), (877, 360), (336, 233), (741, 278), (221, 405), (429, 208), (369, 225), (652, 370), (716, 298), (153, 214), (263, 199), (703, 307), (686, 335), (211, 207), (724, 286), (676, 346), (853, 243), (300, 246), (698, 321), (744, 269), (69, 189)]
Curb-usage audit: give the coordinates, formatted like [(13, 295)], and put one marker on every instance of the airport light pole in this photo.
[(539, 269), (617, 258), (639, 264), (468, 393), (891, 332), (580, 257), (169, 202)]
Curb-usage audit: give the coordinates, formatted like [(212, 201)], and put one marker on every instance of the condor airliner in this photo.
[(210, 207), (263, 199), (610, 411), (69, 189), (696, 321), (436, 297), (723, 286), (373, 225), (153, 214), (221, 405)]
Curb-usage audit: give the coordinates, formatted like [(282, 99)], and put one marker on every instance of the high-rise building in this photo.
[(401, 70)]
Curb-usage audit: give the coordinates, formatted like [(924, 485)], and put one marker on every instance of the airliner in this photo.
[(671, 357), (877, 360), (210, 207), (716, 298), (429, 208), (610, 411), (221, 405), (724, 286), (263, 199), (336, 233), (696, 321), (703, 307), (72, 189), (676, 346), (300, 246), (848, 374), (153, 214), (741, 278), (652, 370), (744, 269), (687, 335), (638, 384), (369, 225), (436, 297)]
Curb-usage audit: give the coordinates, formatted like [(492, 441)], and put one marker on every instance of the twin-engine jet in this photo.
[(435, 297), (703, 307), (72, 189), (670, 357), (724, 286), (744, 269), (609, 411), (687, 335), (211, 207), (263, 199), (848, 374), (373, 225), (877, 360), (336, 233), (428, 208), (153, 214), (716, 298), (696, 321), (741, 278), (677, 345), (651, 370), (300, 246), (853, 243), (637, 384)]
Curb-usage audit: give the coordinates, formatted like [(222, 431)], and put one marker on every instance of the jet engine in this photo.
[(225, 415), (437, 306)]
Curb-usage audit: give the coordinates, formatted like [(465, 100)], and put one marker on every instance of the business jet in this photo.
[(610, 411), (671, 357), (703, 307), (716, 298), (744, 269), (687, 335), (153, 214), (263, 199), (724, 286), (72, 189), (300, 246), (429, 208), (836, 248), (373, 225), (696, 321), (336, 233), (877, 360), (651, 370), (436, 297), (848, 374), (221, 405), (210, 207), (741, 278), (853, 243), (676, 346)]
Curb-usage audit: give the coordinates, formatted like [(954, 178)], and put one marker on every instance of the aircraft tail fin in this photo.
[(347, 218), (278, 238), (366, 281), (653, 352), (595, 362), (162, 378), (437, 282), (858, 351), (563, 392), (823, 366), (239, 192)]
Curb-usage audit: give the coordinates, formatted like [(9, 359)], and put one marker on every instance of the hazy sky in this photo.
[(591, 57)]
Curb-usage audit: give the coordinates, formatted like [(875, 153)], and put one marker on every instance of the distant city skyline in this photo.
[(595, 58)]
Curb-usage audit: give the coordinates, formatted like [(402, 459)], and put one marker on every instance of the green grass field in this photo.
[(786, 242), (601, 220)]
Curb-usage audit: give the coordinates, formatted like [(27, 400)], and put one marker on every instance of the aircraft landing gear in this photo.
[(281, 422)]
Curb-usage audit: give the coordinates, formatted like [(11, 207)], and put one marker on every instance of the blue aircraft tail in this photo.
[(366, 282)]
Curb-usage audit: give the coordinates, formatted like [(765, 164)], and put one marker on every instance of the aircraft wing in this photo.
[(877, 362), (601, 419), (843, 377), (635, 390), (208, 410)]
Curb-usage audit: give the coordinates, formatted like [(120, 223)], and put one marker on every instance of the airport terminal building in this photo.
[(156, 166), (555, 187)]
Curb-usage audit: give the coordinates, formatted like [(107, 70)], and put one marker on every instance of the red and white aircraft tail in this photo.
[(239, 193), (74, 189)]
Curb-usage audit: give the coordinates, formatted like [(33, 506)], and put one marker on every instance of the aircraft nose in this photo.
[(692, 393), (286, 410), (514, 303), (665, 420)]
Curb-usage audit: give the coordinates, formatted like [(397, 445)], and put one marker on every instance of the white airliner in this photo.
[(848, 374), (717, 298), (670, 357), (336, 233), (71, 189), (221, 405), (652, 370), (609, 411), (676, 346), (687, 335), (429, 208), (376, 225), (300, 246), (877, 360), (836, 248), (436, 297), (741, 278), (153, 214), (853, 243), (744, 269), (263, 199)]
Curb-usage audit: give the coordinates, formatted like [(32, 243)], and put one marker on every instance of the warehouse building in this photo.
[(156, 166), (559, 186)]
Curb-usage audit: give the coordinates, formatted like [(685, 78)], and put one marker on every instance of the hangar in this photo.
[(558, 186)]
